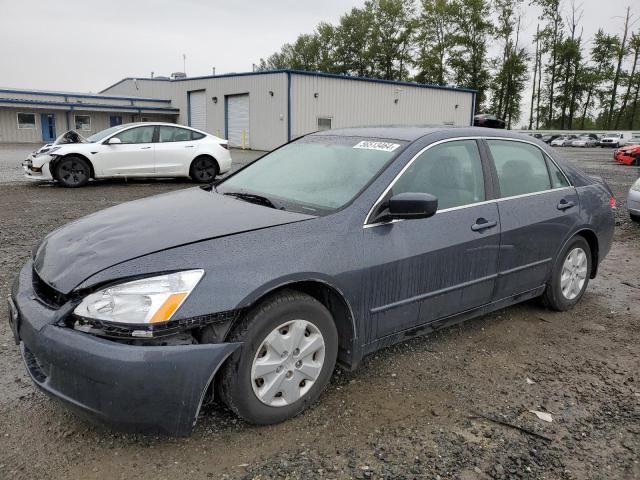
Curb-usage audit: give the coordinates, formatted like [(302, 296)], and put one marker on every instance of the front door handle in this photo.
[(565, 205), (483, 224), (145, 148), (188, 146)]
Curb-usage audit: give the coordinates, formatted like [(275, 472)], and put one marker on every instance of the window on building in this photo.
[(83, 123), (27, 120), (451, 171), (324, 123), (521, 168), (115, 120)]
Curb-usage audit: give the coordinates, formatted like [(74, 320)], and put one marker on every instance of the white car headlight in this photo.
[(147, 301), (636, 185)]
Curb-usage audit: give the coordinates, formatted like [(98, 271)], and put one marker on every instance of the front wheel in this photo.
[(288, 353), (72, 172), (203, 170), (570, 276)]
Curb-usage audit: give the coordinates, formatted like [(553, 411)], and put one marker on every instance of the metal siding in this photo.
[(238, 121), (197, 109), (357, 103)]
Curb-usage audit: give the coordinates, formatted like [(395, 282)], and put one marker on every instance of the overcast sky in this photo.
[(87, 45)]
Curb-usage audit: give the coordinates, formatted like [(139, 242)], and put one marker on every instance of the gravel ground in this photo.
[(455, 405)]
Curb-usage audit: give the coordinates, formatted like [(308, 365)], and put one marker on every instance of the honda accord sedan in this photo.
[(321, 252), (131, 150)]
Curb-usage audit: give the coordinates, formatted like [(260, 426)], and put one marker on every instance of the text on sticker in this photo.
[(384, 146)]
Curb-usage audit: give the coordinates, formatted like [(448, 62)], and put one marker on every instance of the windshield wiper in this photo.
[(253, 198)]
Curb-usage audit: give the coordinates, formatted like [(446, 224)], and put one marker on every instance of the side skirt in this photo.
[(428, 328)]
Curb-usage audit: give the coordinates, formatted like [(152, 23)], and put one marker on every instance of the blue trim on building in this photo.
[(306, 73), (81, 95), (288, 107), (72, 106), (473, 108)]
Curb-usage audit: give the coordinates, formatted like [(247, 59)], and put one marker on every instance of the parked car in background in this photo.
[(322, 251), (563, 141), (635, 140), (628, 155), (488, 120), (584, 141), (633, 201), (130, 150), (611, 140), (549, 138)]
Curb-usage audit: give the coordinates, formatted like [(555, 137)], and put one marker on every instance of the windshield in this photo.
[(96, 137), (316, 174)]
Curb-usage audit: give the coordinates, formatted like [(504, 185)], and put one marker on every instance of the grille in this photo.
[(46, 293)]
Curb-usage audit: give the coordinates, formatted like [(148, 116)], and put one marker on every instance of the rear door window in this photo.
[(521, 168)]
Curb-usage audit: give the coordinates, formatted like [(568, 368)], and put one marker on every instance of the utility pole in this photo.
[(184, 63)]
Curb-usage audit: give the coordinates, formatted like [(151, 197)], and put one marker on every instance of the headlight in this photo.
[(636, 185), (147, 301), (48, 151)]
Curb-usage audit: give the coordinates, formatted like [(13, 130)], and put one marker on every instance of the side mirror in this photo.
[(114, 141), (411, 205)]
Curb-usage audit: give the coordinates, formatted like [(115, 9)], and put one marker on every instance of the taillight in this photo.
[(225, 146), (612, 202)]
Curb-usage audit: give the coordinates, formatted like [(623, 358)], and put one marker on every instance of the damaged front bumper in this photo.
[(37, 173), (148, 389)]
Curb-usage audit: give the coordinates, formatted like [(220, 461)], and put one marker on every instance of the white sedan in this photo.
[(131, 150)]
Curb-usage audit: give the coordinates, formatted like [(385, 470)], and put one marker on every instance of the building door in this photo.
[(197, 108), (115, 120), (237, 121), (48, 122)]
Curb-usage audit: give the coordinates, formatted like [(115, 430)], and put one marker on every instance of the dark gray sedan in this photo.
[(323, 251)]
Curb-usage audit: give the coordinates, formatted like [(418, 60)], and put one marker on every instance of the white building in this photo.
[(263, 110)]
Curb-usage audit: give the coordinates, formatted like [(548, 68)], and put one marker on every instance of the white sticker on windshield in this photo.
[(383, 146)]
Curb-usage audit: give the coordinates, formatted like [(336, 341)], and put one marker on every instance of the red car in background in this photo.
[(629, 155)]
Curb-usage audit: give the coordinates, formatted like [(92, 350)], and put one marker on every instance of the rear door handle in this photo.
[(483, 224), (188, 146), (565, 205), (145, 148)]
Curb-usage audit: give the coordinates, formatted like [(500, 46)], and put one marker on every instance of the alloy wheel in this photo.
[(287, 363), (72, 172), (204, 169), (574, 273)]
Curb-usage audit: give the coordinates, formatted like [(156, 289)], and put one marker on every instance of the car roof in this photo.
[(412, 133)]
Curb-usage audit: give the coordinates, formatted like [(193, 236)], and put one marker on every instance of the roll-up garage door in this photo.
[(238, 121), (198, 109)]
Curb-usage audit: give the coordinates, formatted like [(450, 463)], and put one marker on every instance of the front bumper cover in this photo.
[(147, 389)]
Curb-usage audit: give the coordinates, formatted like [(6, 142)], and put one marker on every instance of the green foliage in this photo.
[(446, 42)]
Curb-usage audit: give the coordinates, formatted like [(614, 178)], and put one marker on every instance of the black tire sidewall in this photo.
[(236, 383), (553, 295), (81, 160)]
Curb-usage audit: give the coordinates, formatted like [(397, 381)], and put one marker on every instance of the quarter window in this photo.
[(521, 168), (558, 180), (27, 120), (136, 135), (451, 171), (83, 123)]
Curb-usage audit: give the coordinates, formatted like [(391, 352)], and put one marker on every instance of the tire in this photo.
[(203, 169), (240, 383), (72, 171), (634, 218), (554, 296)]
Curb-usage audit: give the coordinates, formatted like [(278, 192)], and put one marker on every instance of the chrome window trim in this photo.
[(439, 142)]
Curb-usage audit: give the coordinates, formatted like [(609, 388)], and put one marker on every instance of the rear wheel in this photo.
[(570, 276), (72, 171), (288, 353), (203, 169)]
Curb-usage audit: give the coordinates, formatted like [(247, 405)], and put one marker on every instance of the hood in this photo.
[(73, 253)]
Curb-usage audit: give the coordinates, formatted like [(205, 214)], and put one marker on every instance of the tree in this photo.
[(634, 48), (434, 38), (621, 53), (551, 36), (468, 59), (353, 43), (535, 85)]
